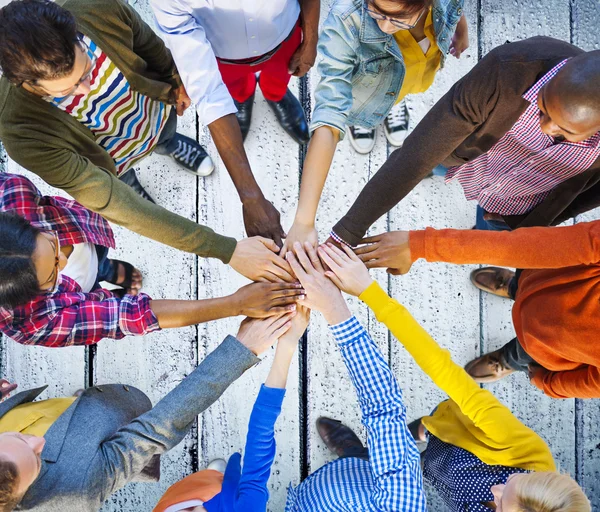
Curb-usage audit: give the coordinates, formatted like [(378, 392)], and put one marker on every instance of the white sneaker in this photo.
[(218, 465), (395, 125), (362, 140)]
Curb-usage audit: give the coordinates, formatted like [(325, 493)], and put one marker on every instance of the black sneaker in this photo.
[(190, 155), (362, 139), (395, 125), (129, 178)]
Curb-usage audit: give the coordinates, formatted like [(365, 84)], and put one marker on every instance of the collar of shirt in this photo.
[(532, 94)]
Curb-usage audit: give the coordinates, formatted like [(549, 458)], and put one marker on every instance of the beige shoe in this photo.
[(489, 367), (493, 280)]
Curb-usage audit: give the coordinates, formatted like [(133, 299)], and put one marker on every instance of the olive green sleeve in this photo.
[(150, 46), (101, 191)]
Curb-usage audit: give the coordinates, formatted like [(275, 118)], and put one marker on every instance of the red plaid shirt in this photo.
[(68, 316), (521, 169)]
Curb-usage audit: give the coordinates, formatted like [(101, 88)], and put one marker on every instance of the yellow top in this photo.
[(473, 418), (35, 418), (420, 67)]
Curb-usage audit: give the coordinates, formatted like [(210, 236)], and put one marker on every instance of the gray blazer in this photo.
[(111, 433)]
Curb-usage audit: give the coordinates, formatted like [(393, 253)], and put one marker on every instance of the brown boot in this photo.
[(337, 436), (493, 280), (489, 367)]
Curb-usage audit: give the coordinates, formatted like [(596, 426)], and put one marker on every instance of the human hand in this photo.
[(256, 258), (534, 370), (258, 335), (261, 300), (460, 39), (303, 59), (391, 250), (182, 100), (300, 233), (6, 388), (261, 218), (321, 293), (347, 272), (299, 325)]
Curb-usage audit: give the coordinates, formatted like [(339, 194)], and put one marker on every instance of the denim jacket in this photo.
[(361, 68)]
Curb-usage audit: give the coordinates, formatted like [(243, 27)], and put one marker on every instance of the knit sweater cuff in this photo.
[(374, 297), (416, 240)]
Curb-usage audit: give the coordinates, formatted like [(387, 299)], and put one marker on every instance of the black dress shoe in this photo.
[(291, 117), (130, 178), (244, 114), (339, 438)]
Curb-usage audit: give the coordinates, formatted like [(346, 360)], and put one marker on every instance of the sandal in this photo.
[(127, 282)]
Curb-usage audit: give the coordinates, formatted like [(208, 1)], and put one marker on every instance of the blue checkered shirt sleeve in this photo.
[(393, 454)]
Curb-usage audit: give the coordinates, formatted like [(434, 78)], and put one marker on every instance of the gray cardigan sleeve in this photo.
[(130, 449)]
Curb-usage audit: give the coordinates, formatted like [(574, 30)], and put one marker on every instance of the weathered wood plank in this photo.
[(157, 362), (585, 17), (551, 419), (501, 22), (438, 296), (274, 160), (329, 391)]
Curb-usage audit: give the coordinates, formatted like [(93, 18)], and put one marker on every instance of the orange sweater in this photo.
[(557, 309)]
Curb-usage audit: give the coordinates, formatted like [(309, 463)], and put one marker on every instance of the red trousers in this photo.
[(274, 75)]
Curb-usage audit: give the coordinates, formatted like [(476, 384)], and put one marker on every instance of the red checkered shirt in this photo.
[(68, 316), (521, 169)]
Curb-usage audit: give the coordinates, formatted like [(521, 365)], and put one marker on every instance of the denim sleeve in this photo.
[(337, 62)]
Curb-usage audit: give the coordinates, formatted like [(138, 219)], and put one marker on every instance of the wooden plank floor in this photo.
[(439, 296)]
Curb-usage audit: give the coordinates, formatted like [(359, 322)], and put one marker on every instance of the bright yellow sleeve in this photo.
[(479, 405)]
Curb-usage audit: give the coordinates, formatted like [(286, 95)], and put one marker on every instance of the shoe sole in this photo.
[(201, 173), (392, 142), (360, 151)]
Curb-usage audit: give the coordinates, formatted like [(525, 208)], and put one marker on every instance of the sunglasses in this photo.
[(394, 21)]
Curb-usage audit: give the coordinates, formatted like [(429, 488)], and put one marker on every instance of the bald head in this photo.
[(571, 100)]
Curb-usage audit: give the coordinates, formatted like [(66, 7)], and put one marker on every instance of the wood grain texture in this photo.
[(439, 296)]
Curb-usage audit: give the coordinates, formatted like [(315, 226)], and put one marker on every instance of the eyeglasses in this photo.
[(394, 21), (54, 276), (63, 95)]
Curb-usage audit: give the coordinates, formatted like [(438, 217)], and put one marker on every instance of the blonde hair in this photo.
[(550, 492)]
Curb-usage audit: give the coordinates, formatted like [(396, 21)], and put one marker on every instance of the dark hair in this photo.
[(18, 278), (37, 41), (9, 479), (405, 7)]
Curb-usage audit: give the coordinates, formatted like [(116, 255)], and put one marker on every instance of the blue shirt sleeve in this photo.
[(252, 493), (393, 454)]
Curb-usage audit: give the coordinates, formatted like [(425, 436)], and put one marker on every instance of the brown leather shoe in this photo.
[(337, 436), (493, 280), (489, 367)]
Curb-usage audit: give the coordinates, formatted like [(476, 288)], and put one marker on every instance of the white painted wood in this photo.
[(552, 419), (502, 21), (584, 33), (439, 296), (274, 159)]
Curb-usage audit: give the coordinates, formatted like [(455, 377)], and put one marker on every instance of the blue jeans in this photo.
[(105, 270)]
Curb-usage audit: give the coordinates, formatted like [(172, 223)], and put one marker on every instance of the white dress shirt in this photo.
[(197, 31)]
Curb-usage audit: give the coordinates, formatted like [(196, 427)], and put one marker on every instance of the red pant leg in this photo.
[(274, 76), (240, 80)]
